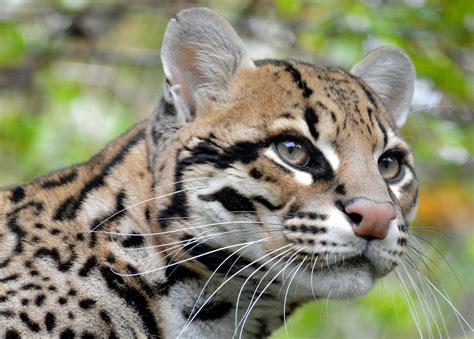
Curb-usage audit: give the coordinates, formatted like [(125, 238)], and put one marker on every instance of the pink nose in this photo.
[(370, 219)]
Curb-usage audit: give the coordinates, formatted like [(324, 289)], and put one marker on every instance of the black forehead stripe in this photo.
[(295, 74), (298, 79), (311, 119)]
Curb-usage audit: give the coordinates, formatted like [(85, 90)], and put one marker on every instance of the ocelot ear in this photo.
[(390, 73), (200, 54)]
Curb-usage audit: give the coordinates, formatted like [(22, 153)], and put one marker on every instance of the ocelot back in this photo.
[(249, 178)]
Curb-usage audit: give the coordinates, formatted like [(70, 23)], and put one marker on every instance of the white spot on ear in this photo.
[(329, 153), (302, 177)]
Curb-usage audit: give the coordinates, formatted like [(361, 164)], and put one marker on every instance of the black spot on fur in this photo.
[(55, 231), (67, 334), (49, 321), (232, 200), (133, 241), (255, 173), (105, 316), (31, 286), (87, 303), (40, 299), (88, 266), (10, 277), (61, 181), (6, 314), (32, 326), (340, 189), (17, 194), (39, 226), (12, 334), (88, 335)]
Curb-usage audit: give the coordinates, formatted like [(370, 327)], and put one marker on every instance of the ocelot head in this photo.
[(293, 166)]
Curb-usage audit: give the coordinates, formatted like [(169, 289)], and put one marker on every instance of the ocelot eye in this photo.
[(293, 152), (389, 166)]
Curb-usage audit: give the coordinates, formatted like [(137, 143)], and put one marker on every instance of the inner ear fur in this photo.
[(201, 53)]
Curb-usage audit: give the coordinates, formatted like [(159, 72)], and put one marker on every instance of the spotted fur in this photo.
[(191, 220)]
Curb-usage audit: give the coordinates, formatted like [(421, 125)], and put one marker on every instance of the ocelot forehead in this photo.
[(323, 102)]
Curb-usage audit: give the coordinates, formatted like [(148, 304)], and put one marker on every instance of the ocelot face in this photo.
[(298, 168)]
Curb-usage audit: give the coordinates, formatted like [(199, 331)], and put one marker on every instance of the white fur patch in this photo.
[(408, 176), (329, 153), (302, 177)]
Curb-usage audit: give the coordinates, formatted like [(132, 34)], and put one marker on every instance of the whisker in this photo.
[(183, 261), (442, 257), (422, 301), (432, 108), (252, 231), (222, 284), (142, 202), (446, 299), (252, 305), (256, 288), (424, 287), (409, 301), (286, 294), (216, 270), (185, 229)]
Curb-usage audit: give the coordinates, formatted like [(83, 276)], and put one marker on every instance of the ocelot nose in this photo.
[(370, 219)]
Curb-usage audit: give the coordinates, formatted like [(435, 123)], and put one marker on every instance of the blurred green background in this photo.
[(76, 73)]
